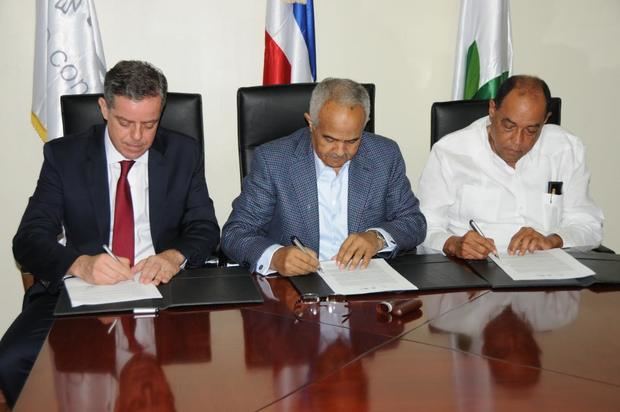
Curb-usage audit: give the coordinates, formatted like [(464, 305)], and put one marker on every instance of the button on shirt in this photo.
[(138, 178), (333, 195)]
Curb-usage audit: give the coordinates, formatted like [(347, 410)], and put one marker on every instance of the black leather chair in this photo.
[(183, 114), (448, 117), (265, 113)]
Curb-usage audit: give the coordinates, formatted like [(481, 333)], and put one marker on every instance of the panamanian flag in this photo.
[(290, 54)]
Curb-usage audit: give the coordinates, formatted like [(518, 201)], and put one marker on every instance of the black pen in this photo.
[(477, 229), (301, 247)]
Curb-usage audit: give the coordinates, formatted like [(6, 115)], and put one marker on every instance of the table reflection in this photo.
[(116, 363), (328, 335), (502, 327)]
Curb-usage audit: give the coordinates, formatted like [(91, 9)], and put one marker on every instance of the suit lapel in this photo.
[(360, 182), (158, 186), (97, 178), (303, 178)]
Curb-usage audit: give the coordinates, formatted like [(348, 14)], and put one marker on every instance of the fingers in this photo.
[(470, 246), (527, 240), (357, 250), (291, 261), (105, 270), (157, 269)]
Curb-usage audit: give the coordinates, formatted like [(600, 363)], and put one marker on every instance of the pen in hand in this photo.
[(110, 253), (301, 247), (477, 229)]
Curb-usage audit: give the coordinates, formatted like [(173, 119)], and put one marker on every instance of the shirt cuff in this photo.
[(264, 262), (389, 240)]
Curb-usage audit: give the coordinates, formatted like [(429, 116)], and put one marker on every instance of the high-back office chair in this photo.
[(265, 113), (448, 117)]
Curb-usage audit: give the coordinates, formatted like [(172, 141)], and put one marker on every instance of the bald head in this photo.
[(524, 85)]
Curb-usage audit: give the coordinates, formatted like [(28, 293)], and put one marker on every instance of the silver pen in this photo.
[(477, 229), (109, 252), (301, 247)]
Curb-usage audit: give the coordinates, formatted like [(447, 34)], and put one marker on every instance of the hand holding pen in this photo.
[(295, 259), (489, 242)]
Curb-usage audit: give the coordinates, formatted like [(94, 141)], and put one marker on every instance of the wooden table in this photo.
[(465, 351)]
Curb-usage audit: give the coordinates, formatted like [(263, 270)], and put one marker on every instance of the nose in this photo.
[(340, 149), (135, 132)]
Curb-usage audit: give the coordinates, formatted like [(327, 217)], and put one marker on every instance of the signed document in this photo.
[(83, 293), (542, 265), (379, 276)]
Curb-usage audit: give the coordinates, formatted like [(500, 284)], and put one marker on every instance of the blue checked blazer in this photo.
[(279, 198)]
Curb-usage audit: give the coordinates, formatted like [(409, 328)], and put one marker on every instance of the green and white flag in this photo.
[(484, 49), (68, 59)]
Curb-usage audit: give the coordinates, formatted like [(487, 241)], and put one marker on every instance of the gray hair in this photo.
[(341, 91), (135, 80)]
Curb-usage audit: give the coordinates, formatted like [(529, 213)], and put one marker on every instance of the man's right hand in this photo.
[(101, 269), (291, 261), (469, 246)]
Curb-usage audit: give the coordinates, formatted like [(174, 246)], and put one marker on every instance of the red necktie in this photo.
[(129, 328), (123, 235)]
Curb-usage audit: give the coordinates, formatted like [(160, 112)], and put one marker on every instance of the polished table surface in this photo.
[(467, 351)]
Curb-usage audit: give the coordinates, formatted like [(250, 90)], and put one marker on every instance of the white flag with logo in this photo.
[(68, 59), (484, 49)]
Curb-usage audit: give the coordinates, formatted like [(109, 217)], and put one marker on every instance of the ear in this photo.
[(308, 120), (492, 109), (103, 106)]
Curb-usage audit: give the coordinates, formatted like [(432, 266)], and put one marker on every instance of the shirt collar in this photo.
[(114, 156)]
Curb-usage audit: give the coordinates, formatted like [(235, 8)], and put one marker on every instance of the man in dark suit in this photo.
[(130, 184), (343, 192)]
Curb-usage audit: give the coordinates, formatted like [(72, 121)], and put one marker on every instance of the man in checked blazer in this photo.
[(341, 191)]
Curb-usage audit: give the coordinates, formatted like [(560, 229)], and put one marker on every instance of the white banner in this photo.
[(68, 59)]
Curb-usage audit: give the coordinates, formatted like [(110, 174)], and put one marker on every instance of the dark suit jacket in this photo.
[(279, 198), (72, 191)]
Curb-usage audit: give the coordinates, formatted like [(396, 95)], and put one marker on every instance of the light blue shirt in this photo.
[(333, 193)]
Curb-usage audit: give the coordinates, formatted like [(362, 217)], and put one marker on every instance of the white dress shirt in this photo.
[(333, 199), (464, 179), (138, 178)]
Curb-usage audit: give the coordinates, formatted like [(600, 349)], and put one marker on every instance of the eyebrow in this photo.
[(133, 121), (507, 119), (345, 140)]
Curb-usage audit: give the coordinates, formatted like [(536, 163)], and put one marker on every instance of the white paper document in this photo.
[(542, 265), (379, 276), (83, 293)]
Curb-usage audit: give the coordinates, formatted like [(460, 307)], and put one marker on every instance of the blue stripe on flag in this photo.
[(304, 16)]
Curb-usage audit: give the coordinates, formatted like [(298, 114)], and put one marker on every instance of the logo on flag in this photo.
[(484, 49), (68, 59), (290, 55)]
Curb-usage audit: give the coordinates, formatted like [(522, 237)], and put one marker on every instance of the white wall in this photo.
[(405, 47)]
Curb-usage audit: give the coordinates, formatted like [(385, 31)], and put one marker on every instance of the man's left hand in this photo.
[(529, 240), (357, 250), (159, 268)]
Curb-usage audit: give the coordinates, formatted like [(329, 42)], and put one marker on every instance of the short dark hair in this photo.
[(136, 80), (525, 81)]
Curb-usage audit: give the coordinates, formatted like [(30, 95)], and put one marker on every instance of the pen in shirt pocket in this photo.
[(554, 188)]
